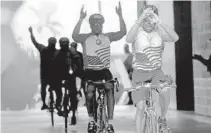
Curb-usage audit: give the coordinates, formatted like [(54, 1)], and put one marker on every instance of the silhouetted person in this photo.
[(207, 62), (67, 65), (63, 62), (78, 60), (129, 68), (46, 63), (96, 54)]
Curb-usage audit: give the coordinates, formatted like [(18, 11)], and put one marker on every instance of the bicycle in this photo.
[(67, 103), (150, 114), (51, 105), (99, 111)]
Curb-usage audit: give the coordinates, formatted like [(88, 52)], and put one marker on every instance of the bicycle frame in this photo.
[(66, 106), (51, 109), (102, 118), (150, 113)]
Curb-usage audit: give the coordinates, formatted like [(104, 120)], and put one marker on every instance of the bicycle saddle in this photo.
[(148, 81)]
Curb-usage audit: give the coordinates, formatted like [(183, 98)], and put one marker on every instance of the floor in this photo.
[(35, 121)]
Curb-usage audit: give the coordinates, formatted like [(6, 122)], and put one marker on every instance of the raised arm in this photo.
[(131, 36), (115, 36), (39, 46), (167, 34), (201, 59), (77, 37)]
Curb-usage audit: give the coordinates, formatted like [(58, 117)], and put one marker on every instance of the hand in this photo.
[(196, 56), (169, 79), (119, 10), (30, 29), (143, 15), (156, 19), (82, 13), (166, 80)]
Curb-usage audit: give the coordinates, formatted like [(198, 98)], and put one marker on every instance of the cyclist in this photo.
[(129, 68), (148, 36), (66, 66), (46, 66), (96, 52), (78, 58)]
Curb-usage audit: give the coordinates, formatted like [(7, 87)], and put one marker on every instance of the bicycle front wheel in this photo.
[(66, 121), (153, 123), (52, 118)]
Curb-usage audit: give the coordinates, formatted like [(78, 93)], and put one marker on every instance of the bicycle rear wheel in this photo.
[(51, 108)]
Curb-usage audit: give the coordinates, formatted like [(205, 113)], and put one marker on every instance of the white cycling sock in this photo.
[(110, 121), (78, 83), (91, 119)]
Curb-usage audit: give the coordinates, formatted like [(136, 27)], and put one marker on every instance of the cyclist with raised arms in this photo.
[(96, 52), (148, 37)]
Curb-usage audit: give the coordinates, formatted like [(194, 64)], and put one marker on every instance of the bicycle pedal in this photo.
[(165, 130)]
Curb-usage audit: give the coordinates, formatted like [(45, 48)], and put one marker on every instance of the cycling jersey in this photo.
[(147, 50), (96, 52)]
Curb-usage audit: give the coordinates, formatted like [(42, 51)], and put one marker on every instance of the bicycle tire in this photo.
[(65, 114), (95, 109), (146, 124), (51, 108), (104, 119), (153, 123), (52, 118), (66, 121)]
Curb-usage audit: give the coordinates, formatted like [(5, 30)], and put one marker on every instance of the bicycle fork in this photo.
[(101, 113), (150, 116)]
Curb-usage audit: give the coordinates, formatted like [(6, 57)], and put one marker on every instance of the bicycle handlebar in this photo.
[(103, 82), (150, 86)]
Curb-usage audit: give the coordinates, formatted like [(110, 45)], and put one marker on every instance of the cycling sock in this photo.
[(162, 118), (91, 119), (110, 121)]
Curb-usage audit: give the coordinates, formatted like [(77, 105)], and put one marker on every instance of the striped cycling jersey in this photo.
[(97, 52), (147, 51)]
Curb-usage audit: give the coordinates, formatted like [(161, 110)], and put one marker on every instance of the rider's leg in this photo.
[(139, 117), (138, 98), (58, 90), (138, 77), (164, 96), (89, 104), (164, 99), (110, 101), (71, 83), (89, 100), (43, 93)]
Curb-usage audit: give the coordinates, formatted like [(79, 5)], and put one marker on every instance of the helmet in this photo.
[(96, 18), (154, 8), (74, 44), (64, 42), (52, 40)]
